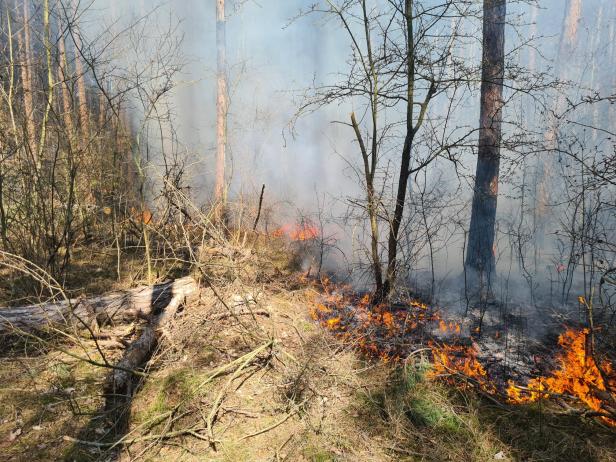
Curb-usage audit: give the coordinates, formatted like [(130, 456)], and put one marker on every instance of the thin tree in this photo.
[(480, 258), (26, 80), (221, 106), (544, 182), (84, 119), (399, 65), (412, 127)]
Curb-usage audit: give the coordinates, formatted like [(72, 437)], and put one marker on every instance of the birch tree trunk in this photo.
[(480, 257), (50, 83)]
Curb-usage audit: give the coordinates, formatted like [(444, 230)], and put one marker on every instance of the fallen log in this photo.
[(141, 302), (138, 352)]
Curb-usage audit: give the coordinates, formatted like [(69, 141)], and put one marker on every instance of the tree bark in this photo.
[(67, 100), (372, 208), (480, 256), (118, 306), (221, 105), (50, 84), (140, 350)]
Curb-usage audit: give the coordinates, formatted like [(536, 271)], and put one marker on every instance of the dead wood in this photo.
[(122, 306), (140, 350), (254, 226)]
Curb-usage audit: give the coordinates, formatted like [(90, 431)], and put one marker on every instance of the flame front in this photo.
[(577, 375), (385, 333), (304, 231)]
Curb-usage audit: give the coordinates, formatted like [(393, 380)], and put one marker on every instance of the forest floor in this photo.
[(246, 375)]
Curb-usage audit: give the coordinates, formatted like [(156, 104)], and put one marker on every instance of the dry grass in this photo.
[(304, 398)]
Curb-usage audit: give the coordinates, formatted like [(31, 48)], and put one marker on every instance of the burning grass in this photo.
[(333, 403), (394, 333), (303, 231), (578, 375)]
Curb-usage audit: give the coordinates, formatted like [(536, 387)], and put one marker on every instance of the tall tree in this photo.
[(480, 258), (50, 83), (221, 104), (67, 99), (563, 70), (84, 119), (26, 80)]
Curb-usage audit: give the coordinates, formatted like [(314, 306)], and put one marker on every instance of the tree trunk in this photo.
[(480, 257), (138, 352), (50, 84), (369, 162), (221, 106), (84, 120), (118, 306), (26, 81), (67, 100), (544, 189), (405, 162)]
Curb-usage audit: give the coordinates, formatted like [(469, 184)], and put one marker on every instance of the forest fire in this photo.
[(578, 375), (394, 333), (303, 231), (459, 361)]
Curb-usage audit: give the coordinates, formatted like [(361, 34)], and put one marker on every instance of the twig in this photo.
[(218, 401), (213, 375), (254, 227), (274, 425), (240, 313), (172, 434)]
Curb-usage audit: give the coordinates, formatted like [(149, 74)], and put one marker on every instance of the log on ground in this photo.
[(141, 302)]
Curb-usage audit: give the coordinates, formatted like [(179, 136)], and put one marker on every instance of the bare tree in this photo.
[(402, 60)]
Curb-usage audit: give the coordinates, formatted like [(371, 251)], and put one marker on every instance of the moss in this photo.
[(416, 374), (166, 392), (427, 412)]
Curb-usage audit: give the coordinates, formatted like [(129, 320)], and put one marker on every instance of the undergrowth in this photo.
[(307, 397)]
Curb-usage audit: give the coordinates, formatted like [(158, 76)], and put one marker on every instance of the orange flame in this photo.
[(304, 231), (577, 375), (450, 360), (383, 333)]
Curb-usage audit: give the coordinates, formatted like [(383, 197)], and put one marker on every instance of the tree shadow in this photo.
[(436, 422), (536, 432), (114, 416)]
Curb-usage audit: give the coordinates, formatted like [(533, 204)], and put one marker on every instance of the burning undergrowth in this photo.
[(302, 231), (569, 373)]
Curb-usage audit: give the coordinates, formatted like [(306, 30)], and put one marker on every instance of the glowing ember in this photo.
[(392, 334), (456, 359), (304, 231)]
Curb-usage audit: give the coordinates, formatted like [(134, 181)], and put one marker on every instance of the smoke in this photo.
[(275, 55)]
